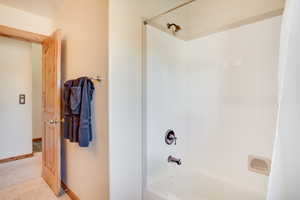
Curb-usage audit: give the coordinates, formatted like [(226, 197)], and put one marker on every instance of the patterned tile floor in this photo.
[(21, 180)]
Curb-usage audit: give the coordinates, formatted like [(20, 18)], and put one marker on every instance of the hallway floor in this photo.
[(21, 180)]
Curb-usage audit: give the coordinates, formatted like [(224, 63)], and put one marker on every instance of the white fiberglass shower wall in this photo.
[(219, 94)]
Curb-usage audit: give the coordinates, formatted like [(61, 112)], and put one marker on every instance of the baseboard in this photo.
[(69, 192), (37, 139), (16, 158)]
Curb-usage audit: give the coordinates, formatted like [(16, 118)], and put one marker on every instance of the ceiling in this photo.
[(45, 8), (203, 17)]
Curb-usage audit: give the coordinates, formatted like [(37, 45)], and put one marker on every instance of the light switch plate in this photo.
[(22, 99)]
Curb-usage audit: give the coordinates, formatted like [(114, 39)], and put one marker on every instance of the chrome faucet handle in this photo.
[(170, 137)]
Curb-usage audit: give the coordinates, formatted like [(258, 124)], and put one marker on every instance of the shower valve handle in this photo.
[(170, 137)]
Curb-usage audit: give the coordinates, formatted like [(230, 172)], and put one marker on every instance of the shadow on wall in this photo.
[(63, 78)]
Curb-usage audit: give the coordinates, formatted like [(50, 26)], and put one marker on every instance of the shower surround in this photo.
[(219, 94)]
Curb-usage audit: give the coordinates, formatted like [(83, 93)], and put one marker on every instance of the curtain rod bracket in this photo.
[(97, 78)]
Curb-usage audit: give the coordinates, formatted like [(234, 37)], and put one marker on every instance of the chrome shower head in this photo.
[(173, 27)]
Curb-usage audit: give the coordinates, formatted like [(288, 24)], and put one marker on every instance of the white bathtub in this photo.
[(197, 187)]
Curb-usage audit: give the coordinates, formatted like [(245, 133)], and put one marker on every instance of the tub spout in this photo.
[(174, 160)]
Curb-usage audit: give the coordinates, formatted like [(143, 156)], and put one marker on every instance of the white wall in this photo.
[(15, 79), (201, 18), (84, 24), (125, 96), (285, 176), (221, 99), (166, 100), (24, 20), (36, 59), (233, 101)]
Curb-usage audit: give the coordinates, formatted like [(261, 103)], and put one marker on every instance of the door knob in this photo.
[(53, 122)]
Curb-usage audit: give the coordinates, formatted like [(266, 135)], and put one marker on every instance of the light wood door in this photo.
[(52, 111)]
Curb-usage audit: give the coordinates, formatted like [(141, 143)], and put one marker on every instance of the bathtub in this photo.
[(191, 186)]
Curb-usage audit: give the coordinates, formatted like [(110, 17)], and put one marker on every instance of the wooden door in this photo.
[(52, 111)]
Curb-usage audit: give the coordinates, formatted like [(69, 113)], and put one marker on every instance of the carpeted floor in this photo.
[(21, 180)]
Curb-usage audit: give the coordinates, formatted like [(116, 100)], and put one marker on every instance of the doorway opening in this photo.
[(20, 105), (30, 109)]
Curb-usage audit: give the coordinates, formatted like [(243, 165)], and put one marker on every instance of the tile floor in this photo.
[(21, 180)]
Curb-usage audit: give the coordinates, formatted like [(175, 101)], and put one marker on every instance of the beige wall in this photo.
[(85, 53), (24, 20), (36, 59)]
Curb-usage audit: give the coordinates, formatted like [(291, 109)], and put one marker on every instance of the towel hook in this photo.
[(97, 78)]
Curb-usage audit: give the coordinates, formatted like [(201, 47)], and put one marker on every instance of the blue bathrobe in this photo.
[(78, 96)]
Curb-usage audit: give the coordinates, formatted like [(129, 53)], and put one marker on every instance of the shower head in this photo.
[(173, 27)]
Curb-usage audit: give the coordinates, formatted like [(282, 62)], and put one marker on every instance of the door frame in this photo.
[(31, 37), (18, 34)]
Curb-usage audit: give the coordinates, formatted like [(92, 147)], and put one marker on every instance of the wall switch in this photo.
[(22, 99)]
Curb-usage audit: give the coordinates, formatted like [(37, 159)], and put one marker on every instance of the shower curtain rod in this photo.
[(172, 9)]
